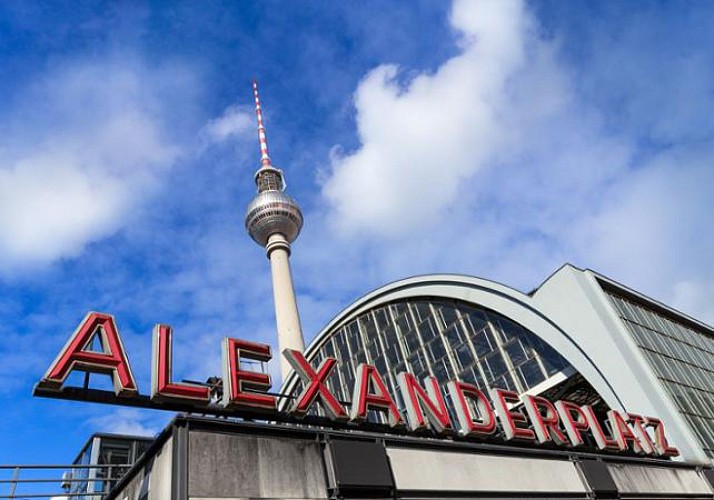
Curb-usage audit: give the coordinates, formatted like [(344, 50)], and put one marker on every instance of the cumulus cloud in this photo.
[(235, 121), (502, 163), (86, 143), (128, 421), (421, 138), (493, 146)]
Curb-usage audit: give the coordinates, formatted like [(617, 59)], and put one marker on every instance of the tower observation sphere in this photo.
[(273, 219), (272, 211)]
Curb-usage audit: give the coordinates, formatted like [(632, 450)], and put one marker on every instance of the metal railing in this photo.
[(90, 482)]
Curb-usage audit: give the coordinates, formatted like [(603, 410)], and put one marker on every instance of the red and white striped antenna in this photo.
[(264, 158)]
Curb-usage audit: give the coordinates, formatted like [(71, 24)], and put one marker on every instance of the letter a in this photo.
[(76, 355)]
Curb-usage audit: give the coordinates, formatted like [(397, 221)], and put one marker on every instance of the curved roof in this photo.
[(511, 303)]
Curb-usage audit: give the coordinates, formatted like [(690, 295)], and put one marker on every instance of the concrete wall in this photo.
[(132, 489), (153, 481), (442, 471), (658, 480), (161, 472), (244, 466), (211, 460)]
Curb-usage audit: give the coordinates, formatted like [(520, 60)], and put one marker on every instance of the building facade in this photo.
[(211, 459), (579, 336)]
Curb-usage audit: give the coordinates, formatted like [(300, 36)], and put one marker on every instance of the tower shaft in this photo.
[(286, 311)]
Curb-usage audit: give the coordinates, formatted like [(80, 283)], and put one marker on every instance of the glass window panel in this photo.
[(516, 353), (449, 315), (482, 344), (374, 349), (442, 371), (360, 357), (477, 320), (436, 349), (496, 364), (382, 319), (412, 341), (531, 374), (343, 350), (505, 382), (329, 350), (473, 376), (390, 335), (552, 361), (417, 363), (381, 364), (404, 323), (353, 337), (464, 355), (400, 308), (453, 335), (394, 356), (427, 331), (422, 310), (369, 331), (510, 329), (674, 352)]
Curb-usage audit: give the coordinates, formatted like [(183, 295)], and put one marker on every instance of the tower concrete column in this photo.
[(286, 311)]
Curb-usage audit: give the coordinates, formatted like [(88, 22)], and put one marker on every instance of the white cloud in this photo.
[(87, 142), (128, 421), (420, 140), (498, 164), (655, 230), (235, 122)]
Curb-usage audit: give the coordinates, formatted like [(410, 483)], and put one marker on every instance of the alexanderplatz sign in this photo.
[(523, 419)]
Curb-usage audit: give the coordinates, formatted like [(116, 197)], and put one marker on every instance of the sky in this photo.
[(497, 139)]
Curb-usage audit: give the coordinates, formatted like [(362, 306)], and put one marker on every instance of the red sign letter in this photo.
[(574, 421), (662, 447), (372, 396), (622, 432), (236, 381), (603, 442), (315, 386), (467, 425), (418, 401), (638, 426), (76, 355), (509, 418), (546, 425), (161, 363)]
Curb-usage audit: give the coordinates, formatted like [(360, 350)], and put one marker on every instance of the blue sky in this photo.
[(493, 139)]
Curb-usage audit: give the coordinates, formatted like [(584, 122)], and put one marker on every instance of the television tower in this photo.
[(273, 219)]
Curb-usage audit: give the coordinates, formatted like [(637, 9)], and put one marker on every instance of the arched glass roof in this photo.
[(445, 338), (457, 327)]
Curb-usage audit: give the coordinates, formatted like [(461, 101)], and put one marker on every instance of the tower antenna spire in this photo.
[(264, 157)]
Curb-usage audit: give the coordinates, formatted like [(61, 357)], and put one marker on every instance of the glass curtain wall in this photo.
[(682, 357)]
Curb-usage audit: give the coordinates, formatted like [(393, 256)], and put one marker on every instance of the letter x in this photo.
[(315, 386)]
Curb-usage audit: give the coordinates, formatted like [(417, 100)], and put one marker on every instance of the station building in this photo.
[(579, 336)]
